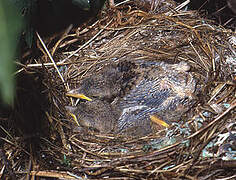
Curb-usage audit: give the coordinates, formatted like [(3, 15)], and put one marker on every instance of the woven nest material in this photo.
[(196, 148)]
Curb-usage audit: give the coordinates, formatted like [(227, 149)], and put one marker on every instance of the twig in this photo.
[(87, 43), (7, 164), (233, 105), (185, 3), (205, 66), (50, 57)]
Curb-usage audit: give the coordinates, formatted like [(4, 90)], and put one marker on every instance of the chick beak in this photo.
[(158, 121), (74, 94)]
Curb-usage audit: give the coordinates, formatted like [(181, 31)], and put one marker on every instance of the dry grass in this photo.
[(128, 32)]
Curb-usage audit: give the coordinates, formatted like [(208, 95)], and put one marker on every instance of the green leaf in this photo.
[(27, 9), (10, 23)]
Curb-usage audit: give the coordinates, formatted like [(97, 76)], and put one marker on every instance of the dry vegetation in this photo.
[(194, 149)]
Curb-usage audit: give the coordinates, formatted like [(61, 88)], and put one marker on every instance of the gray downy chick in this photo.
[(131, 103)]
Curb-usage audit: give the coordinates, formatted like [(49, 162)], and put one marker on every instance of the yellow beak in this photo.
[(78, 95), (156, 120), (74, 118)]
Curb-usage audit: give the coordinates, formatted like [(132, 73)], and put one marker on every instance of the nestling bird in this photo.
[(135, 98)]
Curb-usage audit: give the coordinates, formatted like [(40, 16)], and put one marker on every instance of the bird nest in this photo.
[(199, 146)]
